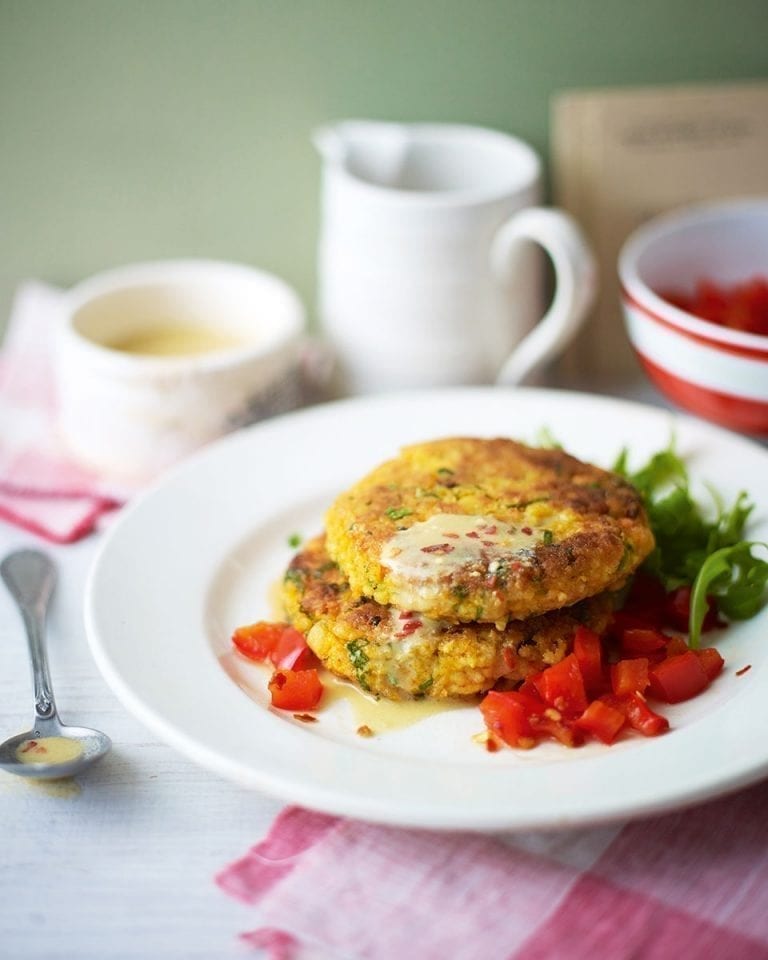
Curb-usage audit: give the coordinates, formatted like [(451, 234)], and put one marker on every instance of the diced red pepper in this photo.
[(292, 653), (629, 676), (602, 721), (256, 641), (562, 687), (295, 689), (554, 703), (507, 715), (641, 718), (529, 687), (642, 640), (639, 715), (279, 643), (557, 728), (520, 719), (654, 657), (510, 658), (646, 600), (678, 678), (711, 660), (588, 650), (676, 646), (677, 611), (623, 620), (409, 627)]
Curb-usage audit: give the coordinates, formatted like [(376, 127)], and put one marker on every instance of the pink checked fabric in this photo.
[(688, 885), (41, 489)]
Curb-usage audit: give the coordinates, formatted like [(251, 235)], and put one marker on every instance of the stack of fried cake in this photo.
[(464, 562)]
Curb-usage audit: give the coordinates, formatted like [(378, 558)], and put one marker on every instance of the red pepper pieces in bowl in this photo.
[(740, 306)]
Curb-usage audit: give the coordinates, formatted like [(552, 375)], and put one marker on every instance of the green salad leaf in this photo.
[(736, 578), (663, 468), (710, 554), (547, 440)]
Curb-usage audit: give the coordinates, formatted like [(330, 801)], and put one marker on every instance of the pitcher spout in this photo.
[(330, 144), (369, 150)]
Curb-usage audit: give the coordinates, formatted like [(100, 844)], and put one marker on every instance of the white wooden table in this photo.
[(125, 867)]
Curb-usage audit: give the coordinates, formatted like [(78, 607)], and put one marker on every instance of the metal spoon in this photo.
[(30, 577)]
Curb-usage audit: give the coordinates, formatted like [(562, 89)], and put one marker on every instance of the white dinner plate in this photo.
[(196, 556)]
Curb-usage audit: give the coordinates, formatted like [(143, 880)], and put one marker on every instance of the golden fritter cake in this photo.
[(400, 655), (486, 530)]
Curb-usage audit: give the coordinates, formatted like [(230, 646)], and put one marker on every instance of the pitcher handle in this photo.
[(575, 285)]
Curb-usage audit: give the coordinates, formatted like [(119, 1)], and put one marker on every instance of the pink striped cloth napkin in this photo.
[(693, 884), (41, 489)]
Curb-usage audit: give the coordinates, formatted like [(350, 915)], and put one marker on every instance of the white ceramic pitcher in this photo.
[(430, 257)]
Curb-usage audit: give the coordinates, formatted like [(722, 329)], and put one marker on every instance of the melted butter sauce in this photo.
[(48, 750), (381, 716), (408, 632), (275, 600), (168, 340), (445, 543)]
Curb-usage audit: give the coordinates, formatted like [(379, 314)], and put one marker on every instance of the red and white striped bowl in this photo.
[(713, 371)]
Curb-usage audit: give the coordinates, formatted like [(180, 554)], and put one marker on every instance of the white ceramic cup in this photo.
[(430, 257), (130, 416)]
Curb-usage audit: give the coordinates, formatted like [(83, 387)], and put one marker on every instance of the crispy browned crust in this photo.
[(357, 638), (600, 532)]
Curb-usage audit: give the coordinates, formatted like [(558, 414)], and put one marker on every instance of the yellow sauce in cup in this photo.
[(169, 340)]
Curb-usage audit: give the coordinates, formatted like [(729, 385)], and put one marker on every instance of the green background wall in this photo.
[(153, 128)]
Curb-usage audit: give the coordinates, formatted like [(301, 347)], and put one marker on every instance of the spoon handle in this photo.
[(30, 577)]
